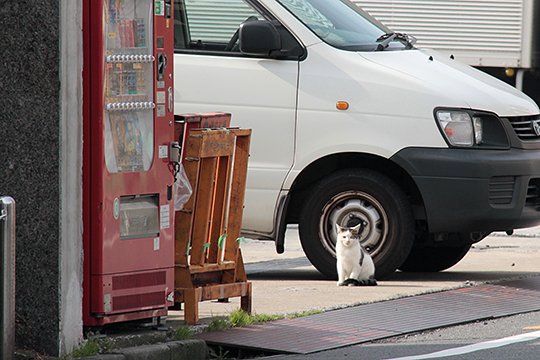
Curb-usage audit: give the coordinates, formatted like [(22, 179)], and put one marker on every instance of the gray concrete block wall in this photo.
[(29, 161)]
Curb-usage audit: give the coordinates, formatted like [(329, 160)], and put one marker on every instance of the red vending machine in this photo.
[(127, 174)]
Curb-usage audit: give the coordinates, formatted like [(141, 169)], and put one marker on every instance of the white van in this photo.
[(352, 123)]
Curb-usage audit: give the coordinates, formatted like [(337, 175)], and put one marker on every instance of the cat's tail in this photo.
[(363, 282), (368, 282)]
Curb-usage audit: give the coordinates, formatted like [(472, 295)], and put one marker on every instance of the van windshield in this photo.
[(341, 23)]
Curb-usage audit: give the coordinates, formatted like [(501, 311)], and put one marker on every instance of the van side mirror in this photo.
[(259, 38)]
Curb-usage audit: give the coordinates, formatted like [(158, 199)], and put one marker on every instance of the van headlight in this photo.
[(464, 128)]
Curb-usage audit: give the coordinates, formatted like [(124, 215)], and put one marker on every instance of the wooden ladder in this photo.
[(208, 260)]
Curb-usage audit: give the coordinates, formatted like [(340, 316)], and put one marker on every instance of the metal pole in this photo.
[(7, 246), (519, 79)]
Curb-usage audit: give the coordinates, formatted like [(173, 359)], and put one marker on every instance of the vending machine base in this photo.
[(132, 296)]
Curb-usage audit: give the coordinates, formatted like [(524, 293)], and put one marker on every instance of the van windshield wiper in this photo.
[(385, 39)]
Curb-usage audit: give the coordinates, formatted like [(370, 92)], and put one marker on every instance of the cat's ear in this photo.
[(338, 228), (356, 229)]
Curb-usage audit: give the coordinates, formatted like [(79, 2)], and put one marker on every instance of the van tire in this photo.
[(432, 259), (346, 197)]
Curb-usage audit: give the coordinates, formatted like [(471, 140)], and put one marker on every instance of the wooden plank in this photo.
[(236, 202), (182, 230), (182, 277), (207, 120), (221, 291), (240, 270), (246, 300), (217, 226), (239, 273), (215, 291), (240, 132), (216, 143), (229, 265), (192, 297), (183, 220), (201, 213)]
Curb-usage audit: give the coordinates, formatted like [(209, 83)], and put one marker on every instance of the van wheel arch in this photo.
[(323, 167)]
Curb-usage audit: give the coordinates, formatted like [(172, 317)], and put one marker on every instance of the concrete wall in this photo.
[(71, 244), (40, 165)]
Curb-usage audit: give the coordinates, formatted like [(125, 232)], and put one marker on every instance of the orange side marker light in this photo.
[(342, 105)]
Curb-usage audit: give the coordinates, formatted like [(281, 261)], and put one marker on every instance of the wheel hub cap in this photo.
[(349, 209)]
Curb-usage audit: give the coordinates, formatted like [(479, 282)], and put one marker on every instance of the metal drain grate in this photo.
[(355, 325)]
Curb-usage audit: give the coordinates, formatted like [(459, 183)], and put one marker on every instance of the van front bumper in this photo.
[(475, 190)]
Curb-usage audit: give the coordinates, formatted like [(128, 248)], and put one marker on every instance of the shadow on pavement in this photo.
[(292, 274), (301, 269)]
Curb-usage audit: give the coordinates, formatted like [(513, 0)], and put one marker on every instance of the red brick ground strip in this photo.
[(363, 323)]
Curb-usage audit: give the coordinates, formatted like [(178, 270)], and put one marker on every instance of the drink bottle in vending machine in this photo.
[(127, 171)]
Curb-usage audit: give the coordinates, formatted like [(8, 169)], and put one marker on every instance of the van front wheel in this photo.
[(348, 197)]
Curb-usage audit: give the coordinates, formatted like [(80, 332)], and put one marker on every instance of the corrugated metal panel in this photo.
[(479, 29), (211, 20)]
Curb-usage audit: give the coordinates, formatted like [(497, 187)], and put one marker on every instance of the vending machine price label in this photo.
[(165, 218), (163, 151), (161, 111), (161, 97)]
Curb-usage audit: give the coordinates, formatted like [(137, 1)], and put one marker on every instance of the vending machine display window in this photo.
[(129, 84)]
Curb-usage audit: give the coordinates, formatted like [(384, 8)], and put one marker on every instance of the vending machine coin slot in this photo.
[(162, 65)]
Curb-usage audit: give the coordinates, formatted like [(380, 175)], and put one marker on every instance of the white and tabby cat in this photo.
[(355, 266)]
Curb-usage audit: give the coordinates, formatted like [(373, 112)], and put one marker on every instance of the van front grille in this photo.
[(524, 127), (533, 195)]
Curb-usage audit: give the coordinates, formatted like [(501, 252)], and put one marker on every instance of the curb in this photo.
[(174, 350)]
